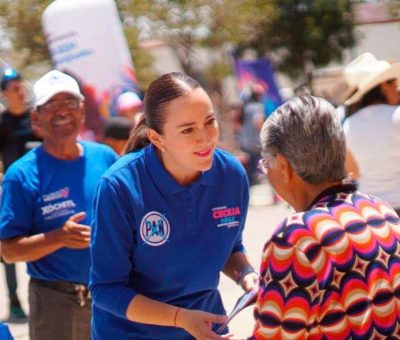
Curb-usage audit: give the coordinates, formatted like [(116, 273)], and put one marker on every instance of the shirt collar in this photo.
[(209, 177), (165, 181), (327, 194)]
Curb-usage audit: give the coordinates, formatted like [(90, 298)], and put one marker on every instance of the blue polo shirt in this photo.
[(5, 333), (40, 193), (154, 237)]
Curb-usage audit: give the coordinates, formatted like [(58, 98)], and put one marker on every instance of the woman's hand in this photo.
[(199, 323)]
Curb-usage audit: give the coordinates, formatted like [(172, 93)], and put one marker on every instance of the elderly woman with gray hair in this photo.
[(331, 270)]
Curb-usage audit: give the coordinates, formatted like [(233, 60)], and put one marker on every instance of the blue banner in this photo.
[(258, 75)]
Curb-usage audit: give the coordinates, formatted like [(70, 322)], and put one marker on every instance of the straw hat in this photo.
[(365, 72)]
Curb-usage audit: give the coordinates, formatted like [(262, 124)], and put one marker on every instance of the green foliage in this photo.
[(295, 33), (305, 32), (394, 8), (143, 61), (177, 23), (237, 21), (21, 21)]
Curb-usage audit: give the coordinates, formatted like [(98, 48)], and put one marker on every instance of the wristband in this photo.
[(246, 270), (176, 315)]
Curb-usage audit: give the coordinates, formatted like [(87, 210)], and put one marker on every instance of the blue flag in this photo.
[(259, 75)]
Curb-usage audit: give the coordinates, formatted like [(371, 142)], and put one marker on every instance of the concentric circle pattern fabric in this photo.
[(332, 272)]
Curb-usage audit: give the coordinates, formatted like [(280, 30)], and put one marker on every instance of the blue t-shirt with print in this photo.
[(154, 237), (40, 193)]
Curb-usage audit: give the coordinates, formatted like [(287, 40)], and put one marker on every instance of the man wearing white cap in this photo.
[(373, 126), (46, 210)]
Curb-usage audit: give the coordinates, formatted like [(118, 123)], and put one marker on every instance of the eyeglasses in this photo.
[(69, 104), (265, 164)]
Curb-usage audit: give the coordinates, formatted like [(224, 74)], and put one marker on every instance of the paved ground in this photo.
[(262, 219)]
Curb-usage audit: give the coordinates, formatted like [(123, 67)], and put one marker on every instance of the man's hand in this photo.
[(34, 247), (72, 234)]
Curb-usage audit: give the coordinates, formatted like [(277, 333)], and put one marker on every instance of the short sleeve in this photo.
[(396, 117), (15, 209)]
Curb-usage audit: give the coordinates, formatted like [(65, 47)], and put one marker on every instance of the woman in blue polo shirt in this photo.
[(169, 218)]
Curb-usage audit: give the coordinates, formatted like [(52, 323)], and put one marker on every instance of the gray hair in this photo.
[(307, 132)]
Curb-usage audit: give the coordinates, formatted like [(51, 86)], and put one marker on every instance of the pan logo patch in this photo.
[(154, 229)]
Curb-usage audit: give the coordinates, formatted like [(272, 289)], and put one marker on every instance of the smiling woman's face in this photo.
[(189, 136)]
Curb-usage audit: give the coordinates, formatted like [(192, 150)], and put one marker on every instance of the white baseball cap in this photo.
[(52, 83)]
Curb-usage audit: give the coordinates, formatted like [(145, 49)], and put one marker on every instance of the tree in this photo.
[(190, 25), (143, 61), (21, 21), (304, 33), (296, 34)]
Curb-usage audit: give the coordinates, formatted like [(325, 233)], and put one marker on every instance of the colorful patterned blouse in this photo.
[(332, 272)]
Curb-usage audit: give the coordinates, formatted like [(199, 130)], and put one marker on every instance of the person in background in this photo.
[(45, 212), (117, 128), (253, 118), (15, 134), (372, 127), (167, 221), (329, 271), (129, 105), (116, 133)]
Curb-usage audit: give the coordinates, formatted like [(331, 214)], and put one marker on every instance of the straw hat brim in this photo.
[(391, 73)]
